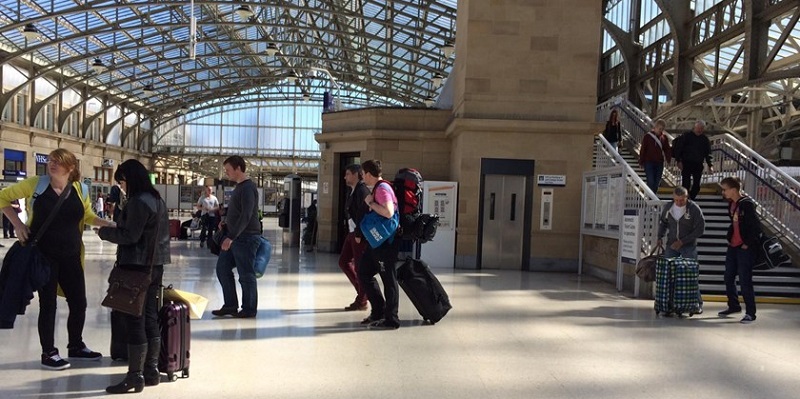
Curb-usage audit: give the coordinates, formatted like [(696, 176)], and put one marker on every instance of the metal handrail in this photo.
[(775, 192), (637, 194)]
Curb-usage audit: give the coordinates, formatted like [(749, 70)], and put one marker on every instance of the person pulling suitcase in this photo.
[(682, 223)]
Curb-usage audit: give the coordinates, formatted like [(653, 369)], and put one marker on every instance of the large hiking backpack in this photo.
[(408, 190)]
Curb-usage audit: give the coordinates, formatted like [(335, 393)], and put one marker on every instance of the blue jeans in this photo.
[(654, 171), (242, 256), (686, 251), (740, 262)]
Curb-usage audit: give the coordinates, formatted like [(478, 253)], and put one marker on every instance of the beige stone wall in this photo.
[(32, 141), (527, 59), (559, 148)]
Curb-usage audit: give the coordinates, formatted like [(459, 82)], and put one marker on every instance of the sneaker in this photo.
[(368, 320), (747, 319), (225, 312), (382, 325), (53, 361), (355, 306), (84, 354), (729, 311), (699, 311)]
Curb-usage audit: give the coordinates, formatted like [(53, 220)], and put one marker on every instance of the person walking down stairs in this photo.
[(654, 153)]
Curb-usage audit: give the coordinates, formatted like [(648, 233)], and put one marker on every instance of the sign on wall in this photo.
[(629, 243), (551, 180)]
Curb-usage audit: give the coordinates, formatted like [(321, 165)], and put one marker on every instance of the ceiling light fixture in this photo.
[(436, 79), (292, 77), (148, 88), (30, 32), (98, 66), (272, 50), (429, 102), (306, 97), (244, 12), (448, 48), (184, 109)]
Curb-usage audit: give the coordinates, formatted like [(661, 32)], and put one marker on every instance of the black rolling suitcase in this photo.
[(424, 290), (119, 336), (173, 319)]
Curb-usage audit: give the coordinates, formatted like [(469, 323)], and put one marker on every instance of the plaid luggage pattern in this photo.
[(663, 294), (685, 281), (676, 286)]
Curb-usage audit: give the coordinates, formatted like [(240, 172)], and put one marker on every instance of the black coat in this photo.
[(692, 148), (749, 224), (136, 232), (613, 133), (355, 208), (24, 272)]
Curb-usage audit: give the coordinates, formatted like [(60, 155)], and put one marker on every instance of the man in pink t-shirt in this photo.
[(380, 260)]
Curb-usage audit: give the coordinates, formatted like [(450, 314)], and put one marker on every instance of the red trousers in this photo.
[(348, 262)]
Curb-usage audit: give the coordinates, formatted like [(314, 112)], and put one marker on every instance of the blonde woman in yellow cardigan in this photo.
[(64, 250)]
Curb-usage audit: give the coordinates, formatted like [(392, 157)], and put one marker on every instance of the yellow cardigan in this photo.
[(26, 188)]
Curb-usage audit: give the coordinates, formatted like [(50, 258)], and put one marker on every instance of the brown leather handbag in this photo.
[(127, 289), (646, 268)]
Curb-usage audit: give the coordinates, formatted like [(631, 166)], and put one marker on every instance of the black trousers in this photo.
[(65, 271), (208, 225), (691, 174), (144, 327), (8, 228), (383, 261)]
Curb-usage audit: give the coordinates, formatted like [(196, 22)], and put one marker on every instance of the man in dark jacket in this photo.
[(743, 241), (240, 246), (354, 244), (690, 150), (682, 222)]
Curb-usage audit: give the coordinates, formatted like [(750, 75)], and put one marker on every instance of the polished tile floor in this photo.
[(509, 335)]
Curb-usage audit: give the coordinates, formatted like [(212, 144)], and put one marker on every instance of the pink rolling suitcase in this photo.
[(175, 340)]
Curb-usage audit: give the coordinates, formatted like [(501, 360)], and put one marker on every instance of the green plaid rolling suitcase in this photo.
[(676, 286)]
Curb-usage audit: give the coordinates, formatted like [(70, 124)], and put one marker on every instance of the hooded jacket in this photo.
[(688, 229)]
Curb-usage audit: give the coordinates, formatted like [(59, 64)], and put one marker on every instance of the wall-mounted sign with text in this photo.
[(41, 158), (551, 180)]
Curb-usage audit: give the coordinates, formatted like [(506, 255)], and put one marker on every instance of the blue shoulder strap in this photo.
[(44, 181), (41, 186)]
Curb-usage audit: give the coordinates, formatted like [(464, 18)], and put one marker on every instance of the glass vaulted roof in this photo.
[(370, 52)]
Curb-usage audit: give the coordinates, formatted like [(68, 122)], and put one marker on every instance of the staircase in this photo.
[(777, 285)]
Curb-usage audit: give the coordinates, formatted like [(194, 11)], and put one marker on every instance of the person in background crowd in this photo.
[(682, 222), (208, 205), (64, 251), (142, 236), (8, 227), (116, 201), (743, 240), (613, 130), (654, 153), (690, 150), (354, 244), (100, 206)]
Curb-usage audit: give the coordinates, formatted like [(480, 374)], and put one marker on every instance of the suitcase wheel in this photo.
[(172, 377), (185, 373)]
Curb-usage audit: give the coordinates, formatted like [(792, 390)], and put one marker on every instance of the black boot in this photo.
[(134, 380), (151, 374)]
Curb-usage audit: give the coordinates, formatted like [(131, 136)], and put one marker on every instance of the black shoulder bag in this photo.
[(127, 289)]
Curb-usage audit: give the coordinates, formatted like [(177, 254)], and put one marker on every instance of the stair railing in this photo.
[(637, 194), (776, 193)]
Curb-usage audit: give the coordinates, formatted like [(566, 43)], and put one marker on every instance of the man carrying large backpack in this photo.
[(382, 259)]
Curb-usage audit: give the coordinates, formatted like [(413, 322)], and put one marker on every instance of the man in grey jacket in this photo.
[(682, 222), (240, 244)]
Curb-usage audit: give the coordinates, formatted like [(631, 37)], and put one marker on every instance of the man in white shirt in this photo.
[(209, 217)]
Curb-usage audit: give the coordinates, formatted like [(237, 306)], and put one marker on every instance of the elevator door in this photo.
[(503, 215)]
